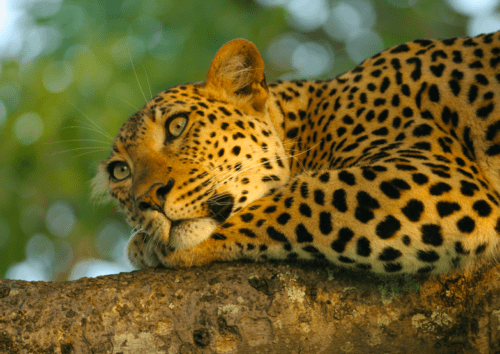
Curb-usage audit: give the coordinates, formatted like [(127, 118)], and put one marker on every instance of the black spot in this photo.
[(422, 130), (428, 256), (459, 248), (389, 254), (387, 228), (363, 214), (485, 111), (402, 167), (381, 132), (420, 178), (283, 218), (292, 133), (325, 177), (392, 267), (369, 174), (311, 249), (270, 209), (391, 188), (270, 178), (246, 217), (468, 188), (439, 188), (406, 240), (480, 249), (417, 72), (407, 112), (276, 235), (363, 247), (437, 70), (447, 208), (305, 210), (431, 235), (482, 208), (344, 236), (347, 178), (385, 84), (304, 191), (383, 115), (425, 270), (402, 48), (466, 224), (339, 200), (454, 87), (218, 236), (319, 197), (413, 210), (366, 200), (346, 259), (236, 150), (434, 93), (325, 223), (472, 93), (247, 232), (302, 234)]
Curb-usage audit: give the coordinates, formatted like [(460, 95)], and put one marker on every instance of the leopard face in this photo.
[(189, 159)]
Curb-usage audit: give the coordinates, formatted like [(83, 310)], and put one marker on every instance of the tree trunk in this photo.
[(253, 308)]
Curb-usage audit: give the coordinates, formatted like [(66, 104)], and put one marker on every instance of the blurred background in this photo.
[(71, 72)]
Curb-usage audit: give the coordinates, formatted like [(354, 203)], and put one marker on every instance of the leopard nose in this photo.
[(154, 198)]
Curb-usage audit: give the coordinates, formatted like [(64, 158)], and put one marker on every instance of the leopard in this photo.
[(391, 168)]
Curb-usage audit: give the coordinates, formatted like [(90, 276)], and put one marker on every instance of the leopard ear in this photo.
[(238, 71)]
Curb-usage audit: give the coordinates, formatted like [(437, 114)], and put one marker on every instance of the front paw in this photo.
[(141, 251)]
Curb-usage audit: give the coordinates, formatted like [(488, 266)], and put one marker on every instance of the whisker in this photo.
[(89, 128), (147, 79), (73, 140), (135, 73), (94, 149), (99, 128)]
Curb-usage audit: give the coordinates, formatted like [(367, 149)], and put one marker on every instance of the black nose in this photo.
[(155, 197)]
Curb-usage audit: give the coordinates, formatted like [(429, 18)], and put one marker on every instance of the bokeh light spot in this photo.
[(3, 114), (57, 76), (311, 59), (307, 15), (60, 219), (28, 128), (364, 45), (473, 7)]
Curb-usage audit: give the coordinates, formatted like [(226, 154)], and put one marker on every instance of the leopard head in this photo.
[(197, 153)]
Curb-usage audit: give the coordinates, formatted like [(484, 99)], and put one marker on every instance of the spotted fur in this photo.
[(391, 167)]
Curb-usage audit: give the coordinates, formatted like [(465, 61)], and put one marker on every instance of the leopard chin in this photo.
[(188, 233)]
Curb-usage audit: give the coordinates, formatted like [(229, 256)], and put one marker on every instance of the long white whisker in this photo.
[(89, 128), (147, 79), (92, 122), (135, 73)]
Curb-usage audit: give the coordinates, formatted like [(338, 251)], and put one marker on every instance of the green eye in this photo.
[(177, 125), (120, 171)]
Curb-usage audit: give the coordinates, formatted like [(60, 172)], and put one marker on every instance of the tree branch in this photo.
[(250, 308)]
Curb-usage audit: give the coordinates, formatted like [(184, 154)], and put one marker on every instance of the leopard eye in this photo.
[(177, 125), (119, 171)]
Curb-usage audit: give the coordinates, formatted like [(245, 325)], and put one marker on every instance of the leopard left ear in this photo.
[(238, 70)]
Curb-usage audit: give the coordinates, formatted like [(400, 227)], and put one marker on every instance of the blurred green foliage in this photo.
[(109, 57)]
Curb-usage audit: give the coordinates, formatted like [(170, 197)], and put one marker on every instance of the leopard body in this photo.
[(392, 167)]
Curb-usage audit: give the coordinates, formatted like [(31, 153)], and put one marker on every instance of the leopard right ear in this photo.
[(237, 70)]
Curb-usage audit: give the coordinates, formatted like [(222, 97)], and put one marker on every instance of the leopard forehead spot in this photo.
[(391, 167)]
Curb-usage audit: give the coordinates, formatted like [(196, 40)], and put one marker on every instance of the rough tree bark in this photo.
[(253, 308)]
